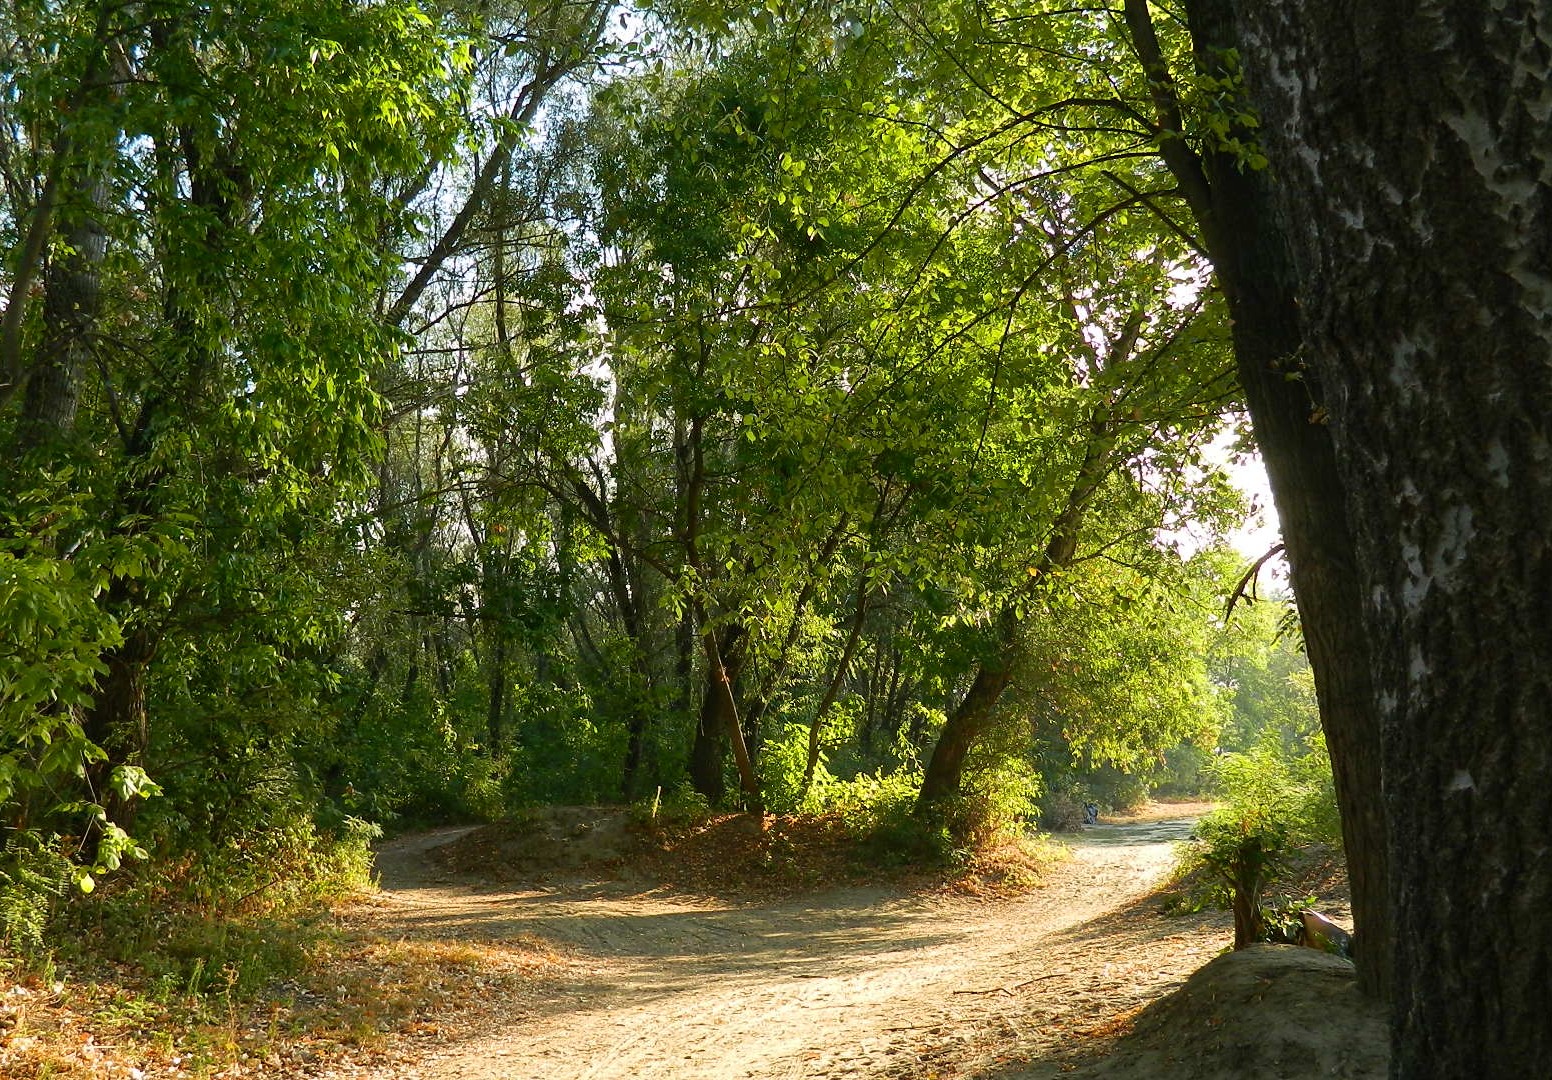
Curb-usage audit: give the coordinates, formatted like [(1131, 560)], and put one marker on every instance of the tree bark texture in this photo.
[(1413, 160), (1234, 211), (72, 303)]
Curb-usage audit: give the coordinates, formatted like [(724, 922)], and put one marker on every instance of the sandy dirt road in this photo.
[(848, 984)]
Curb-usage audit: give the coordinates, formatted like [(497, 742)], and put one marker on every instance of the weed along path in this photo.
[(853, 982)]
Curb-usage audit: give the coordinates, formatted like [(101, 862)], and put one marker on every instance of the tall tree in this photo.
[(1411, 155), (196, 368), (1206, 138)]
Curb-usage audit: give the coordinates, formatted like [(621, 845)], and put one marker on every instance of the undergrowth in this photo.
[(175, 957), (1280, 812), (866, 829)]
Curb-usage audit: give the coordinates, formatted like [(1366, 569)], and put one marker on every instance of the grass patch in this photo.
[(241, 963), (246, 997)]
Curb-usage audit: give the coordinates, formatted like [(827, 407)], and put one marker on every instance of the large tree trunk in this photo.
[(1286, 404), (707, 749), (969, 720), (1412, 155), (1232, 205), (72, 302)]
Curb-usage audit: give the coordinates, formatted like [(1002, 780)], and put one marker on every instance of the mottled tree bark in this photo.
[(1413, 157), (72, 303)]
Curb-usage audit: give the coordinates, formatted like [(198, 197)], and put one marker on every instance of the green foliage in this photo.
[(682, 806), (52, 637), (783, 763), (224, 920), (35, 880), (289, 867), (1241, 855), (1294, 786), (412, 443), (1276, 801), (562, 755)]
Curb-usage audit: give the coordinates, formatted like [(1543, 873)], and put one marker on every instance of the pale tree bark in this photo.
[(1253, 269), (1413, 160), (72, 303)]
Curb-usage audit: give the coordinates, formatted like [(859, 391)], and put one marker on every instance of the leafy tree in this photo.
[(187, 352)]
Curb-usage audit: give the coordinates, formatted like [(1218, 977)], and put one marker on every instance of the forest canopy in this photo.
[(418, 412)]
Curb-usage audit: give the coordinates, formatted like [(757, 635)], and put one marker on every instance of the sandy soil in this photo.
[(851, 983)]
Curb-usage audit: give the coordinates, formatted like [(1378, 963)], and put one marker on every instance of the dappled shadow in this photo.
[(1124, 961), (718, 939), (1143, 919), (843, 982)]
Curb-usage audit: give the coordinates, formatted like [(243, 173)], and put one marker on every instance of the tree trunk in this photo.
[(971, 717), (72, 302), (1232, 204), (707, 749), (1411, 152), (117, 722), (721, 677), (712, 729), (1310, 499), (496, 707), (965, 725)]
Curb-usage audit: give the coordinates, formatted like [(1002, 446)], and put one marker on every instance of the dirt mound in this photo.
[(733, 857), (546, 842), (1270, 1011)]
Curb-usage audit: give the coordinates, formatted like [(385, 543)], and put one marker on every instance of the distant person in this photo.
[(1091, 813)]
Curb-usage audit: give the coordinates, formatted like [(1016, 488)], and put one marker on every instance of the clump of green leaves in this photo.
[(34, 880), (680, 806), (1279, 798)]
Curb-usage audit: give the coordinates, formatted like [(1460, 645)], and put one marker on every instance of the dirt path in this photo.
[(849, 984)]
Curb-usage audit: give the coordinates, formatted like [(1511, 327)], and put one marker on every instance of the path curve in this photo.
[(848, 984)]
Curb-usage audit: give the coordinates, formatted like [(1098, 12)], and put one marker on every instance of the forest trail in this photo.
[(847, 983)]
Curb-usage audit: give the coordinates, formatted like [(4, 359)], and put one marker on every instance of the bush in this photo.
[(1061, 808), (1291, 785), (1277, 800), (683, 805), (35, 879), (1242, 855), (225, 920)]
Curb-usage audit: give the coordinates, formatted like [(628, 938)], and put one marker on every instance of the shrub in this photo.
[(682, 805), (35, 879), (1061, 807), (1242, 855), (1277, 799)]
